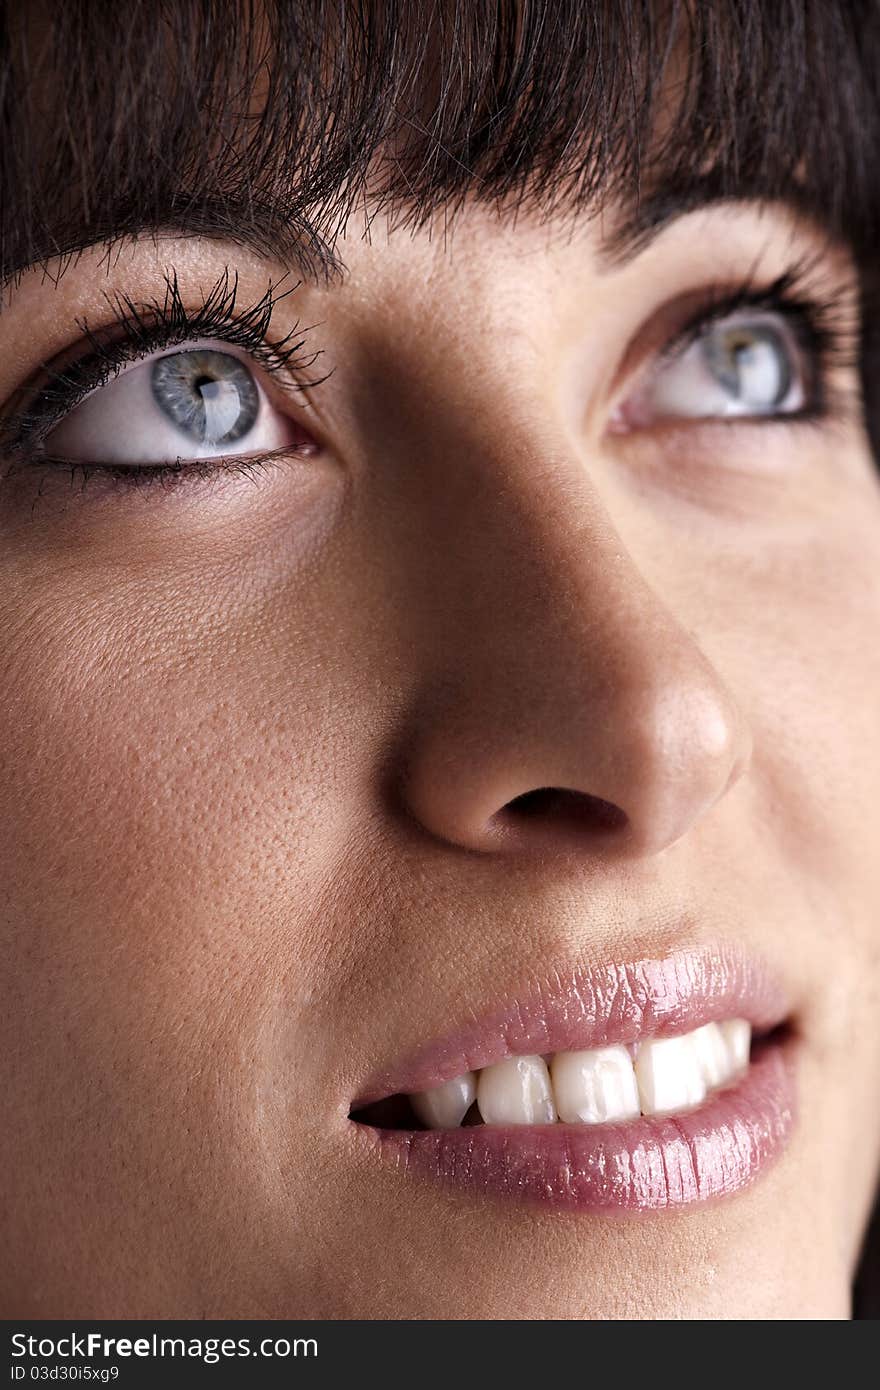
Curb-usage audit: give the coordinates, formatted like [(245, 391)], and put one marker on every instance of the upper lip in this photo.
[(587, 1006)]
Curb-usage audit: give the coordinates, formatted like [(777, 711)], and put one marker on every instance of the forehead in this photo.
[(287, 119)]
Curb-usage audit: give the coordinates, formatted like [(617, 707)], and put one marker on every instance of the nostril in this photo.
[(540, 802), (577, 809)]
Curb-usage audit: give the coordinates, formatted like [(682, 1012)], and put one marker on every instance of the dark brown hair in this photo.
[(271, 121)]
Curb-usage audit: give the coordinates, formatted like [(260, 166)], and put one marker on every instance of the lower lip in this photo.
[(648, 1164)]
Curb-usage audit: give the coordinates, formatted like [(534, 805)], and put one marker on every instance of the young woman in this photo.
[(440, 548)]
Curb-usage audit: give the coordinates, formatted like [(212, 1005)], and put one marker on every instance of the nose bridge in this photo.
[(560, 665), (534, 565)]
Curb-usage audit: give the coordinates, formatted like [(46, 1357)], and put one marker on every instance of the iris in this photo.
[(751, 362), (210, 396)]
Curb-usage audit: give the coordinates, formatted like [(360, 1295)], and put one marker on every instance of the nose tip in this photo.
[(644, 772), (564, 704)]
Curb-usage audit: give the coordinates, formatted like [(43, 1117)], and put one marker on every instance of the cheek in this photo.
[(188, 768), (175, 770), (812, 668), (811, 665), (155, 770)]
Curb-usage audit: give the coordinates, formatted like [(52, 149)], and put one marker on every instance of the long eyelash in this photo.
[(825, 323), (139, 329)]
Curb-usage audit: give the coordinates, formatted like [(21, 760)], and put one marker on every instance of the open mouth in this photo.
[(660, 1076), (671, 1102)]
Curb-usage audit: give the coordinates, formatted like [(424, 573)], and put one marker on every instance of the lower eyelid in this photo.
[(734, 445), (28, 490)]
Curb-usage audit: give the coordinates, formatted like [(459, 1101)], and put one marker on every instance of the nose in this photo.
[(570, 707)]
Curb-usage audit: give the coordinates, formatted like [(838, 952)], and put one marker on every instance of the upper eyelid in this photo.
[(151, 325), (88, 365), (135, 332), (825, 317), (39, 413), (142, 329), (769, 301), (681, 342), (135, 329)]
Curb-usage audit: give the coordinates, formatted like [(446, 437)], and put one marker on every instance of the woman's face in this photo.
[(263, 735)]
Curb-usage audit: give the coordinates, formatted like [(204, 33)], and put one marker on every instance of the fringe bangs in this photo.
[(280, 120)]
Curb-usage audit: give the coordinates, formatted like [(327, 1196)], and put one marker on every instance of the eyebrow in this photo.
[(643, 219), (274, 231)]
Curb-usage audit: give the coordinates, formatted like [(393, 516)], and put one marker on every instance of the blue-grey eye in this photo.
[(752, 362), (210, 396), (196, 403), (748, 364)]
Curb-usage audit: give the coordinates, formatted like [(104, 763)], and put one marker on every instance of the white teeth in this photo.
[(516, 1091), (669, 1074), (592, 1087), (714, 1054), (444, 1107), (655, 1076), (738, 1036)]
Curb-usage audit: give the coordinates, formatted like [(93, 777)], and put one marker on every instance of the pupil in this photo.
[(209, 396), (752, 365)]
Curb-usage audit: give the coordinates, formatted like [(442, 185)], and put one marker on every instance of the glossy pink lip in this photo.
[(645, 1164), (595, 1005)]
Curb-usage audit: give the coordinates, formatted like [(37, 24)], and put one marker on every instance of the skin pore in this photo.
[(256, 731)]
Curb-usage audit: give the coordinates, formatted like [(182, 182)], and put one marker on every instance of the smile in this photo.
[(624, 1106), (656, 1077)]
